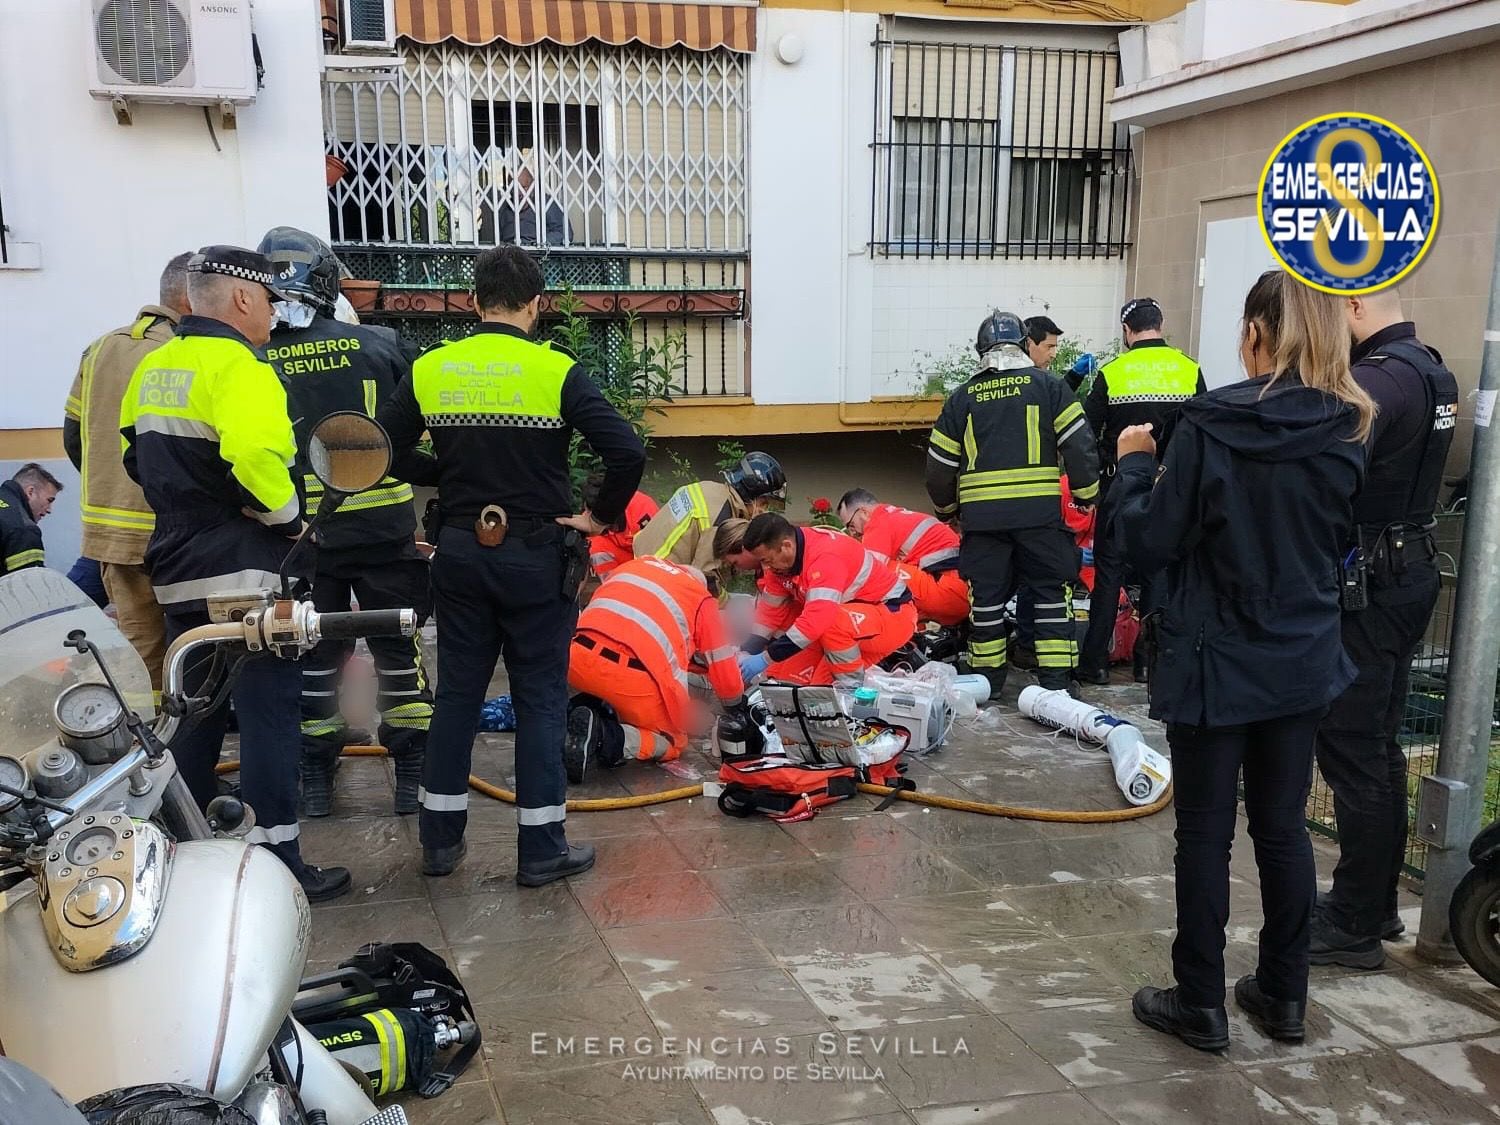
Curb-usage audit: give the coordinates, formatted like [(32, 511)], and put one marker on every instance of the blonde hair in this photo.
[(1306, 333), (729, 537)]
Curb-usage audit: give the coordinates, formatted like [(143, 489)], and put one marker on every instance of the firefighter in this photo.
[(617, 545), (827, 609), (683, 530), (992, 461), (923, 549), (1146, 383), (208, 438), (367, 550), (649, 627), (502, 409), (116, 521), (24, 500)]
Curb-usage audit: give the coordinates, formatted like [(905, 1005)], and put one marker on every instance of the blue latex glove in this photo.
[(753, 664), (1084, 365)]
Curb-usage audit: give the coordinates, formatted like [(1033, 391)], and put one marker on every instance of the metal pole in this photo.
[(1451, 804)]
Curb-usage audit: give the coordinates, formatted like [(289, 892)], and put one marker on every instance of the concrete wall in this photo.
[(928, 306), (1208, 167), (889, 463), (109, 204), (828, 323)]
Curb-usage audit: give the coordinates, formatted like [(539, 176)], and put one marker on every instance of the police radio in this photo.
[(1354, 581)]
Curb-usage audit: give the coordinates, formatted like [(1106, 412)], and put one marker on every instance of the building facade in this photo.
[(1214, 89)]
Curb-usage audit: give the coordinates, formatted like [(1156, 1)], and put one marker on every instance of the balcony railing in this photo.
[(426, 295)]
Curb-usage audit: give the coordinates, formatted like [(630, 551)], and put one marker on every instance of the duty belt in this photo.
[(583, 640)]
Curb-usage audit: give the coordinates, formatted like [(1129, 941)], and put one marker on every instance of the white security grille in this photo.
[(593, 146)]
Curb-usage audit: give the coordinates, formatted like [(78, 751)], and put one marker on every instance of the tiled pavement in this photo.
[(909, 966)]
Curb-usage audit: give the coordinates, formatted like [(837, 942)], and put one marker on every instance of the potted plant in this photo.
[(362, 294)]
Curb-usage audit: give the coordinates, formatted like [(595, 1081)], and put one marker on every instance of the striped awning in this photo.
[(699, 27)]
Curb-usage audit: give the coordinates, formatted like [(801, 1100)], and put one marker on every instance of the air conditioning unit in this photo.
[(192, 52), (368, 25)]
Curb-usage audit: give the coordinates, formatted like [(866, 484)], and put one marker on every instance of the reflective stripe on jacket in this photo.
[(831, 568), (901, 535), (206, 434), (664, 616)]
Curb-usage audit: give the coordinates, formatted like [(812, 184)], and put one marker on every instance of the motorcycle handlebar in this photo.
[(367, 623)]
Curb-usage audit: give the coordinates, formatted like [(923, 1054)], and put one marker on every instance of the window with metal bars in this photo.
[(997, 151), (630, 148)]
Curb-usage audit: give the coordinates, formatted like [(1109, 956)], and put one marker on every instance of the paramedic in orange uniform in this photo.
[(924, 550), (646, 628), (616, 545), (827, 608)]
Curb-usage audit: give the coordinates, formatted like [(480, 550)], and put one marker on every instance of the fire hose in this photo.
[(613, 804)]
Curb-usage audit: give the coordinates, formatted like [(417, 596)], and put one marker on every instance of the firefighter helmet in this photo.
[(999, 328), (306, 267), (758, 474)]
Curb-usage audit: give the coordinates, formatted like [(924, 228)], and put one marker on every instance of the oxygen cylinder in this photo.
[(1141, 773)]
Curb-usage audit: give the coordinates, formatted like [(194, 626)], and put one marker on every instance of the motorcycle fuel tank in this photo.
[(198, 1005)]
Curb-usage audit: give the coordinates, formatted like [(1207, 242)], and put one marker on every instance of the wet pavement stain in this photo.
[(715, 970)]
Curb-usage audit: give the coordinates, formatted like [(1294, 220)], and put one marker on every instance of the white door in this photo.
[(1234, 255)]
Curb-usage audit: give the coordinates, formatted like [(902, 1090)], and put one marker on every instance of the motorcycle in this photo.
[(1474, 913), (141, 941)]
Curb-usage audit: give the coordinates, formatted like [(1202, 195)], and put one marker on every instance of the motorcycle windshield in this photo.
[(38, 609)]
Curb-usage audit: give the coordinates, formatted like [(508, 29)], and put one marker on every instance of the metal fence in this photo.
[(425, 299), (1422, 718), (995, 151), (590, 146)]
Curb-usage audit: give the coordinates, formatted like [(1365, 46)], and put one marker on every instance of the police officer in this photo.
[(1146, 383), (683, 530), (1416, 398), (24, 500), (501, 410), (208, 439), (367, 549), (992, 461)]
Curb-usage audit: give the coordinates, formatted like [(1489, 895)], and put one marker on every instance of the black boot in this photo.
[(317, 769), (1207, 1029), (1390, 930), (1019, 654), (442, 861), (1333, 946), (408, 782), (1054, 679), (1142, 672), (321, 884), (581, 744), (1280, 1019), (1096, 676), (576, 860)]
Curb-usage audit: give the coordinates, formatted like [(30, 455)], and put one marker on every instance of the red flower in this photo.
[(821, 506)]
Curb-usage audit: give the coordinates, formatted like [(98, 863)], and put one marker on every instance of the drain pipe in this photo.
[(1450, 802)]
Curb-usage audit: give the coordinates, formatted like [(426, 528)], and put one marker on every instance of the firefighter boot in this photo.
[(408, 780), (319, 763)]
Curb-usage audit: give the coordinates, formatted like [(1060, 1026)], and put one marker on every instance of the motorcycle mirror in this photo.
[(349, 452)]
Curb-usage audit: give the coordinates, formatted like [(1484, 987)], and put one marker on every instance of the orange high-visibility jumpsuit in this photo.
[(925, 551), (609, 550), (839, 610), (643, 631)]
